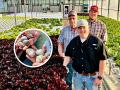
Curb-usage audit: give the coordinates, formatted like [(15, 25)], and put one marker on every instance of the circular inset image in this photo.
[(33, 47)]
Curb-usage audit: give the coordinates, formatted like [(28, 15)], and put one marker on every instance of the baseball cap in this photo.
[(82, 22), (72, 13), (94, 8)]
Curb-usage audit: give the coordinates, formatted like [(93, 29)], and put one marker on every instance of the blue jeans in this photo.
[(84, 82), (68, 79)]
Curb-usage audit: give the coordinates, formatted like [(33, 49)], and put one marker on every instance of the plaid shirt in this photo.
[(98, 29), (66, 36)]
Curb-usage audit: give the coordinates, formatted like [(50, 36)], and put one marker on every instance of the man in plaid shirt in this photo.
[(97, 27), (67, 34)]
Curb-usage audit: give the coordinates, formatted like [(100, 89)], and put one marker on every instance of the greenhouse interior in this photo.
[(51, 16)]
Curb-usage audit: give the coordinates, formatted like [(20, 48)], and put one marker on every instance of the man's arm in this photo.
[(102, 57), (61, 44), (102, 66), (66, 61), (61, 49)]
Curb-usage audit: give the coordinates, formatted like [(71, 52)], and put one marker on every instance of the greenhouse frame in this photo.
[(108, 8)]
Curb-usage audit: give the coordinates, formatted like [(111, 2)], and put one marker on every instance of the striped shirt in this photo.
[(66, 36), (98, 29)]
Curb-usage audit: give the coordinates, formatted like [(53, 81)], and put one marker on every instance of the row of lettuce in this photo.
[(33, 23), (113, 27)]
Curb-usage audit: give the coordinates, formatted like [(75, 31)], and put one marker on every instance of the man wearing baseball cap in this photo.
[(88, 56), (97, 27), (67, 34)]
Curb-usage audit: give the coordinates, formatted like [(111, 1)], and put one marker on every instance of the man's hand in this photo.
[(67, 69), (25, 47), (66, 61), (31, 41), (62, 54), (36, 64), (97, 82)]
